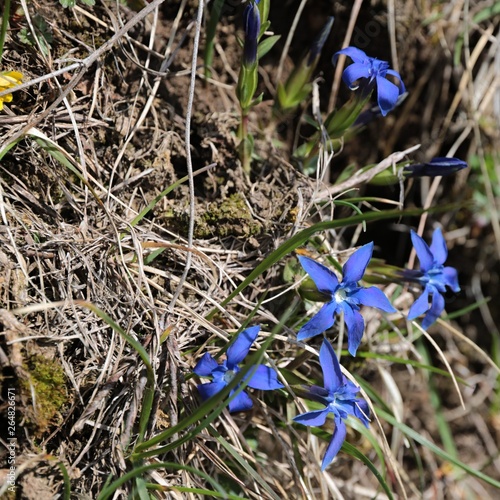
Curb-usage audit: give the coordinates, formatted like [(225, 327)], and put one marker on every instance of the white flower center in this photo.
[(228, 376), (340, 295)]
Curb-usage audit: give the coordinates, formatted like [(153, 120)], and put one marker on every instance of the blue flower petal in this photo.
[(451, 278), (356, 407), (343, 407), (241, 402), (423, 252), (357, 55), (316, 393), (324, 278), (323, 320), (387, 95), (438, 247), (265, 378), (435, 311), (373, 297), (239, 348), (353, 73), (332, 375), (355, 266), (220, 371), (312, 418), (420, 306), (401, 85), (205, 366), (208, 390), (362, 411), (349, 387), (338, 438), (355, 328)]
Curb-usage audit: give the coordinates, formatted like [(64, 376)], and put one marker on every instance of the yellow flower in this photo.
[(8, 79)]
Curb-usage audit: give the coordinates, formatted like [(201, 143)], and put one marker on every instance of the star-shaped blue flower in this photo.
[(433, 276), (264, 377), (339, 397), (346, 297), (374, 72)]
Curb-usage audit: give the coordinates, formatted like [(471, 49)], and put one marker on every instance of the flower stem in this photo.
[(5, 24), (245, 146)]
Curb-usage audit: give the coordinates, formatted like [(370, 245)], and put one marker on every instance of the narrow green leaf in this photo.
[(111, 488), (410, 362), (251, 472), (215, 14), (147, 403), (435, 449), (206, 493), (67, 481), (266, 45), (354, 452), (300, 238)]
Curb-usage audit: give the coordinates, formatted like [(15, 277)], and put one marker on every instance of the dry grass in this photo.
[(99, 133)]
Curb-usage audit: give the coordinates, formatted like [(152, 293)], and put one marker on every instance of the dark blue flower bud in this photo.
[(437, 167), (317, 45), (251, 19)]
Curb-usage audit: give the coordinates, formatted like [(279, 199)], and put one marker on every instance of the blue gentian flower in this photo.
[(264, 377), (433, 276), (370, 72), (435, 168), (346, 297), (339, 397), (251, 21)]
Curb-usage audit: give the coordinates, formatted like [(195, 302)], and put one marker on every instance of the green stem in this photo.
[(245, 143), (5, 24)]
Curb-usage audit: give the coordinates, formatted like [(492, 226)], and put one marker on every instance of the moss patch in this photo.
[(229, 217), (48, 381)]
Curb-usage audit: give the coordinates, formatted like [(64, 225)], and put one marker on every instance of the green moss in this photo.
[(48, 381), (229, 217)]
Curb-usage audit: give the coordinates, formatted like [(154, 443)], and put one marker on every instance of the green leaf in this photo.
[(247, 85), (215, 14), (266, 45), (250, 471), (487, 13), (147, 402), (354, 452), (204, 493), (409, 362), (139, 472), (339, 121), (71, 3), (435, 449), (41, 35), (300, 238)]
